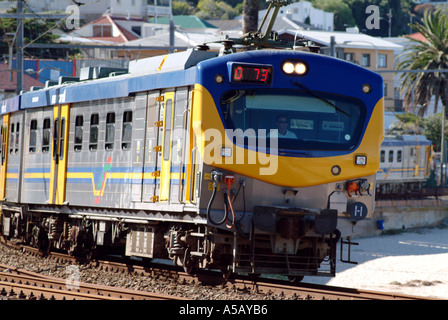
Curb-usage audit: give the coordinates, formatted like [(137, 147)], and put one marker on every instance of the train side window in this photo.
[(55, 138), (62, 139), (33, 136), (16, 147), (93, 140), (126, 137), (4, 134), (11, 139), (391, 155), (399, 156), (79, 122), (383, 156), (167, 141), (46, 135), (110, 131)]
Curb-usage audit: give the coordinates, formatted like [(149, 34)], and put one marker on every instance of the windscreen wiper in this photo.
[(321, 98)]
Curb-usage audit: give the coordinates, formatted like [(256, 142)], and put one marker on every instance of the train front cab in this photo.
[(284, 222)]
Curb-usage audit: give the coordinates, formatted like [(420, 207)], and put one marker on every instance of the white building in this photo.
[(303, 12)]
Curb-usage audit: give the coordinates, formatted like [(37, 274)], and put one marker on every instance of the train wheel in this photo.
[(188, 263), (226, 272), (295, 279)]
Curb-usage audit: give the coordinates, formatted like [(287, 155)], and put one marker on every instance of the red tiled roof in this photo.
[(125, 35), (417, 36), (6, 85)]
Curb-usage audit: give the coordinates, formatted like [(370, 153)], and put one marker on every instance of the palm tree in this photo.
[(426, 55), (250, 15)]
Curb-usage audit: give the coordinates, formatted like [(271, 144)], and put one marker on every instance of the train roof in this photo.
[(166, 71), (405, 140), (106, 83)]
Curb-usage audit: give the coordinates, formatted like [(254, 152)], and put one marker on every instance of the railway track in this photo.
[(22, 284), (16, 283)]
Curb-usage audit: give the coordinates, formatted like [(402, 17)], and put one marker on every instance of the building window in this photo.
[(365, 60), (382, 60), (93, 140), (33, 136), (102, 30), (126, 137), (349, 56), (110, 131)]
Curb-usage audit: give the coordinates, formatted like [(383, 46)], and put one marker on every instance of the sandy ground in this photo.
[(414, 262)]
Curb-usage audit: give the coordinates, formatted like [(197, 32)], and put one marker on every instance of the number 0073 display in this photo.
[(249, 73)]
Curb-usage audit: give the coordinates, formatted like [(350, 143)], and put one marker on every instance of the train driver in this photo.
[(282, 125)]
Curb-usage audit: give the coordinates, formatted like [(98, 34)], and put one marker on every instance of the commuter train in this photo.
[(244, 162), (406, 162)]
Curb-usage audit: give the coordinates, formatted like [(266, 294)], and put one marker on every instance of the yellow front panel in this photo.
[(281, 170)]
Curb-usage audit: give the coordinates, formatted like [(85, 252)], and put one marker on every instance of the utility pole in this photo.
[(21, 16), (19, 58)]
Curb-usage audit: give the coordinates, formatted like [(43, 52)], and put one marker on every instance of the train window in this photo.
[(46, 135), (399, 156), (110, 131), (167, 141), (304, 120), (61, 139), (126, 137), (33, 136), (391, 155), (383, 156), (55, 138), (11, 139), (16, 147), (3, 131), (93, 140), (79, 122)]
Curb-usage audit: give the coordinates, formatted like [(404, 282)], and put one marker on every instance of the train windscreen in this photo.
[(301, 120)]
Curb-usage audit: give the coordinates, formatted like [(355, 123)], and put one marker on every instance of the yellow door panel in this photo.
[(58, 173), (4, 154)]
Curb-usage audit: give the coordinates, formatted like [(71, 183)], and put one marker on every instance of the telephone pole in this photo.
[(19, 55), (21, 16)]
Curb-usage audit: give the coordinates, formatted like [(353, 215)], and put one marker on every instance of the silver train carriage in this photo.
[(406, 162), (147, 161)]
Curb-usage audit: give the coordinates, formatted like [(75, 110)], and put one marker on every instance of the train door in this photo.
[(14, 159), (4, 154), (167, 117), (153, 129), (58, 169)]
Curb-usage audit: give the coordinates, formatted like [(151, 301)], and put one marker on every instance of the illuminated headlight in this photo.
[(226, 152), (298, 68), (288, 67), (361, 160)]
